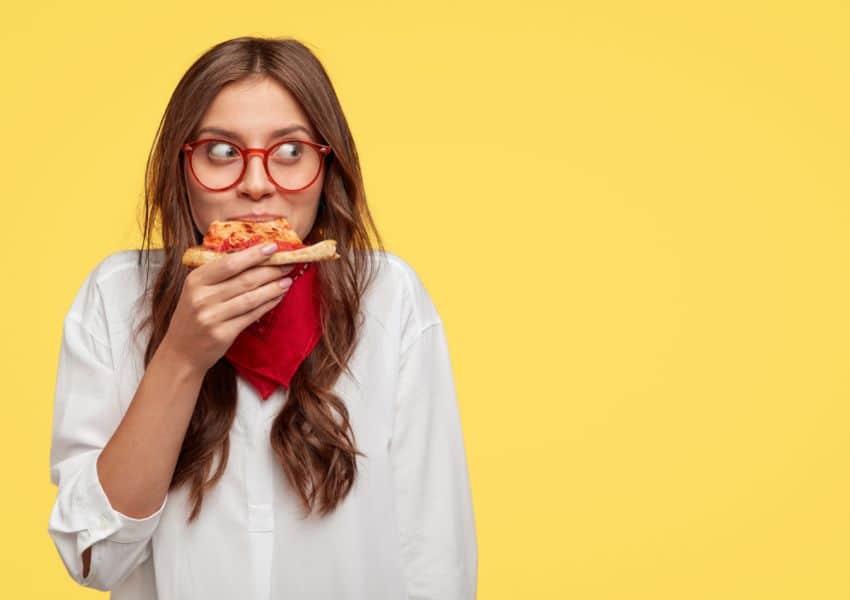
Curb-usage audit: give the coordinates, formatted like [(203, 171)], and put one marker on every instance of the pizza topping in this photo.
[(229, 245), (229, 236)]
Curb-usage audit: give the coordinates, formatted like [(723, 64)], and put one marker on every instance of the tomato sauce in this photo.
[(230, 244)]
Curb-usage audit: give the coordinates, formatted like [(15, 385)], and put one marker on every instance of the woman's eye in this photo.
[(288, 151), (221, 150)]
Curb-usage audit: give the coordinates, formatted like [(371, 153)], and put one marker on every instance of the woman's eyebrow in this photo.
[(274, 134)]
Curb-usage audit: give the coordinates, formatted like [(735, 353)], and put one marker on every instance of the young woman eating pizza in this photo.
[(241, 429)]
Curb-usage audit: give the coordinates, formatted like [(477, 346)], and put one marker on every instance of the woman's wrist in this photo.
[(183, 369)]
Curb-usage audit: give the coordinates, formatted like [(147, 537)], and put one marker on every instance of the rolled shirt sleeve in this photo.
[(86, 414), (433, 496)]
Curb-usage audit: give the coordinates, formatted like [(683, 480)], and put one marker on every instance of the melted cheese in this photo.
[(226, 236)]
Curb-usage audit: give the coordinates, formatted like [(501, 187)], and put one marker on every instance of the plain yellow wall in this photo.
[(641, 221)]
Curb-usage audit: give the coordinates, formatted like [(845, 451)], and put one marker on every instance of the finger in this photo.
[(234, 263), (245, 303), (242, 321), (250, 279)]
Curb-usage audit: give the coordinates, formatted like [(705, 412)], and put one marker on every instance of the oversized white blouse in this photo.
[(405, 531)]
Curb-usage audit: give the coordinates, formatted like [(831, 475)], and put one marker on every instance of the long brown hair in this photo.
[(311, 437)]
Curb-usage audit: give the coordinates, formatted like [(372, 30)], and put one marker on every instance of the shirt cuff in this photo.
[(104, 522)]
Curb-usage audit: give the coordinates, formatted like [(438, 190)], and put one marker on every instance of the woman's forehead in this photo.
[(254, 109)]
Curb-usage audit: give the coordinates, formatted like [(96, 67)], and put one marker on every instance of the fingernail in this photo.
[(285, 282), (269, 248)]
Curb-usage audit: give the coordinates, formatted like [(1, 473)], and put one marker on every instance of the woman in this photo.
[(184, 474)]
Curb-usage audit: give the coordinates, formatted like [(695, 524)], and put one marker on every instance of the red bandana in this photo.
[(267, 352)]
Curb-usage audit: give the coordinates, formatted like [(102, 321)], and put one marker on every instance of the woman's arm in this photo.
[(137, 464), (433, 497), (98, 544)]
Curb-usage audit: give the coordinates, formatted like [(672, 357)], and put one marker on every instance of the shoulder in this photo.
[(122, 271), (398, 297), (120, 264), (111, 287)]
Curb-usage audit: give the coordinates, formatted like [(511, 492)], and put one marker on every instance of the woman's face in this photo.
[(247, 112)]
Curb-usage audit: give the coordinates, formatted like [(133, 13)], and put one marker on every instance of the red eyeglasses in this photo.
[(292, 165)]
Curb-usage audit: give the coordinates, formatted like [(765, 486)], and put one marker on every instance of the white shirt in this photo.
[(405, 531)]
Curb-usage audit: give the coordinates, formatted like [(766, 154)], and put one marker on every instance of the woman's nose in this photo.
[(256, 180)]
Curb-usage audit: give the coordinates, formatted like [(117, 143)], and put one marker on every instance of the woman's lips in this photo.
[(255, 218)]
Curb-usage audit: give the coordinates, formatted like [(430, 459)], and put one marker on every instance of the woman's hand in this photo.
[(220, 299)]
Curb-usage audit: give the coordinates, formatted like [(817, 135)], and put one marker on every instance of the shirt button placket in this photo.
[(258, 474)]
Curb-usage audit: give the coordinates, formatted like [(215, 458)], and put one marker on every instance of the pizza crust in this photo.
[(196, 256)]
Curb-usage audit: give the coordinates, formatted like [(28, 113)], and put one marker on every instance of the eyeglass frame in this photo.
[(189, 147)]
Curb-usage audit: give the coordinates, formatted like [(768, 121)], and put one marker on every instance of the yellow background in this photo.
[(642, 220)]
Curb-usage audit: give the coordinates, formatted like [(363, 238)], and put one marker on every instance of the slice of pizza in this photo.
[(224, 237)]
